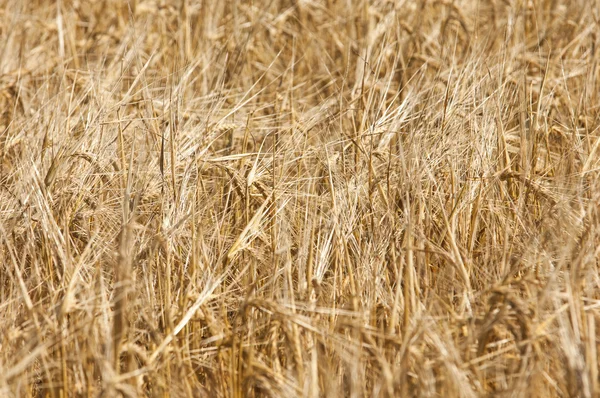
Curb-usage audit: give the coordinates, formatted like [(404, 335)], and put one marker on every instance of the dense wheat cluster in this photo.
[(289, 198)]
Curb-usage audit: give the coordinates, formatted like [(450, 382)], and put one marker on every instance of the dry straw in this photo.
[(299, 198)]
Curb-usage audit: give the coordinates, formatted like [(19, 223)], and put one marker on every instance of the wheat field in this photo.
[(299, 198)]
